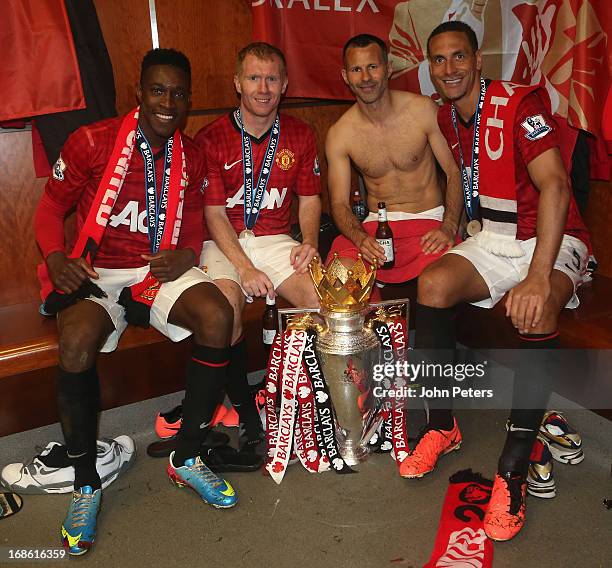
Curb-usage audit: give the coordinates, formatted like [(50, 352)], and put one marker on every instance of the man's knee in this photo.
[(311, 299), (433, 289), (211, 319), (79, 344)]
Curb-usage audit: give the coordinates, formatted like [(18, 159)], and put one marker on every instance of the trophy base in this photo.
[(353, 455)]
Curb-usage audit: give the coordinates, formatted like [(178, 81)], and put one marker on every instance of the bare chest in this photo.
[(377, 152)]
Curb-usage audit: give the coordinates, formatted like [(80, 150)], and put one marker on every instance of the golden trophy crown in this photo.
[(343, 289)]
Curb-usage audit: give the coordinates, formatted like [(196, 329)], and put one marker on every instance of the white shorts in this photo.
[(270, 254), (502, 273), (113, 280)]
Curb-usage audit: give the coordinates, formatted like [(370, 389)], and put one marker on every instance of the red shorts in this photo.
[(410, 260)]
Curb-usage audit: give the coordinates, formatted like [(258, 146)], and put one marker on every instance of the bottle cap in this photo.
[(270, 301), (381, 205)]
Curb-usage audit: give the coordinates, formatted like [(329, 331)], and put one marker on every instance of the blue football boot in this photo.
[(79, 527), (196, 475)]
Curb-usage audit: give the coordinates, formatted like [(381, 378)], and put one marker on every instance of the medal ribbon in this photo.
[(469, 183), (398, 408), (292, 362), (274, 372), (307, 448), (252, 203), (156, 209), (393, 432), (325, 426)]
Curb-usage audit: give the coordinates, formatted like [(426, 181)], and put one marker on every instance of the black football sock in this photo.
[(78, 402), (239, 391), (535, 373), (57, 457), (204, 385), (435, 343)]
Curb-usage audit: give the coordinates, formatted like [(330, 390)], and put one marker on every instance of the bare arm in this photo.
[(436, 241), (309, 214), (525, 303), (254, 282), (339, 183)]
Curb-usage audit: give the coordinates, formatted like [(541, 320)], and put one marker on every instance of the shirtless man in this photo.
[(393, 140)]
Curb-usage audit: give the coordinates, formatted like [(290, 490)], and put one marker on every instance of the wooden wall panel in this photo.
[(598, 218), (211, 33), (19, 194), (127, 33)]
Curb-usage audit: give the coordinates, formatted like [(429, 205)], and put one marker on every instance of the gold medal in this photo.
[(247, 233), (473, 227)]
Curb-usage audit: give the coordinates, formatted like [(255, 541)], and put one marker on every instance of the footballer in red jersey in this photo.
[(258, 162), (527, 244), (528, 150), (295, 171), (74, 182), (136, 183)]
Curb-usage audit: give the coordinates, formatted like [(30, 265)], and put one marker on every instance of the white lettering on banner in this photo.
[(319, 5), (272, 199), (304, 2), (495, 122), (370, 3), (465, 548), (106, 206)]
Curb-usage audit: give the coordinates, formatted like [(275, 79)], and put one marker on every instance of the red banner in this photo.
[(560, 44), (40, 73)]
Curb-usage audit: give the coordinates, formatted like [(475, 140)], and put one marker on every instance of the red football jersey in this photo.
[(526, 150), (74, 182), (295, 170)]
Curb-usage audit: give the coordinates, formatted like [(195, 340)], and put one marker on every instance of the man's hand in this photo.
[(525, 302), (168, 265), (371, 251), (300, 257), (67, 274), (438, 240), (256, 283)]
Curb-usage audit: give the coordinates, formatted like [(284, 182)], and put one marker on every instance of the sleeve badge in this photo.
[(535, 127), (316, 170), (58, 169)]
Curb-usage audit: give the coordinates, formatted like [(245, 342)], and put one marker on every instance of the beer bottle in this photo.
[(358, 206), (384, 236), (270, 322)]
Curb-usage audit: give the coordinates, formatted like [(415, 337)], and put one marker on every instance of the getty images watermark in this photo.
[(397, 380)]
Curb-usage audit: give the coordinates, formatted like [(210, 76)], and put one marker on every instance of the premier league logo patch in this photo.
[(316, 170), (536, 127), (285, 159), (58, 169)]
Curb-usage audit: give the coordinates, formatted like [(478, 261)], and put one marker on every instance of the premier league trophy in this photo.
[(348, 351)]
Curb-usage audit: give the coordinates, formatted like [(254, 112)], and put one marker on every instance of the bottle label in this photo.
[(268, 336), (382, 215), (387, 244)]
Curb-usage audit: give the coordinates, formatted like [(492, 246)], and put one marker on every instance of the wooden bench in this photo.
[(145, 365)]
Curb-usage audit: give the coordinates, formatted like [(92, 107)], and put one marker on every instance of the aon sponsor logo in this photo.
[(130, 216), (272, 199)]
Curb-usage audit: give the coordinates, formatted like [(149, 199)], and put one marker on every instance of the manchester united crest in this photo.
[(285, 159)]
